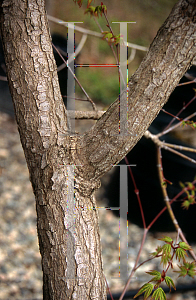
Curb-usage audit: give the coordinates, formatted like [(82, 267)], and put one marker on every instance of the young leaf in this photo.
[(166, 256), (191, 273), (180, 253), (107, 35), (189, 123), (89, 2), (184, 246), (165, 260), (183, 271), (169, 282), (147, 288), (190, 185), (191, 269), (187, 269), (167, 239), (182, 185), (91, 11), (159, 294), (186, 204), (156, 274), (166, 249), (157, 252)]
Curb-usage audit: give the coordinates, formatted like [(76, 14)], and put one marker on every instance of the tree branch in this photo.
[(168, 58)]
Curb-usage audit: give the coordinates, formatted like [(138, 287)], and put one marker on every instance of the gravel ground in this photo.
[(20, 263)]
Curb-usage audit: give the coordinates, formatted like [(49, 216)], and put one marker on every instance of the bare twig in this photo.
[(183, 108), (136, 190), (176, 125), (111, 46), (185, 83), (90, 32), (88, 115), (108, 288), (168, 146), (89, 99), (135, 265), (164, 190), (166, 199), (73, 55)]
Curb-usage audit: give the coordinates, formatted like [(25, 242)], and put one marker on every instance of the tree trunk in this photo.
[(65, 169)]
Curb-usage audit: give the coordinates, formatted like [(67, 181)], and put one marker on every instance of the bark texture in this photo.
[(65, 169)]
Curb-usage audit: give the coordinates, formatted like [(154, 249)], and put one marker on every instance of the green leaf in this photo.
[(190, 185), (190, 268), (189, 123), (157, 252), (183, 123), (191, 273), (182, 185), (180, 253), (184, 246), (99, 9), (156, 274), (147, 288), (165, 260), (89, 2), (167, 239), (186, 204), (90, 10), (187, 269), (166, 256), (183, 271), (166, 249), (107, 35), (169, 282), (159, 294)]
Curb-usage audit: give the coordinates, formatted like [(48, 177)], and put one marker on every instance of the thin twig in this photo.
[(108, 288), (183, 108), (164, 208), (164, 190), (135, 265), (111, 46), (185, 83), (73, 55), (168, 146), (90, 32), (89, 99), (179, 147), (176, 125), (178, 153), (116, 56), (166, 199), (117, 50), (87, 115), (136, 190)]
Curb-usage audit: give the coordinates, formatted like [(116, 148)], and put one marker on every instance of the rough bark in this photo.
[(67, 219)]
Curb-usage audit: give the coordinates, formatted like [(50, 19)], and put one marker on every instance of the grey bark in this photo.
[(67, 219)]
